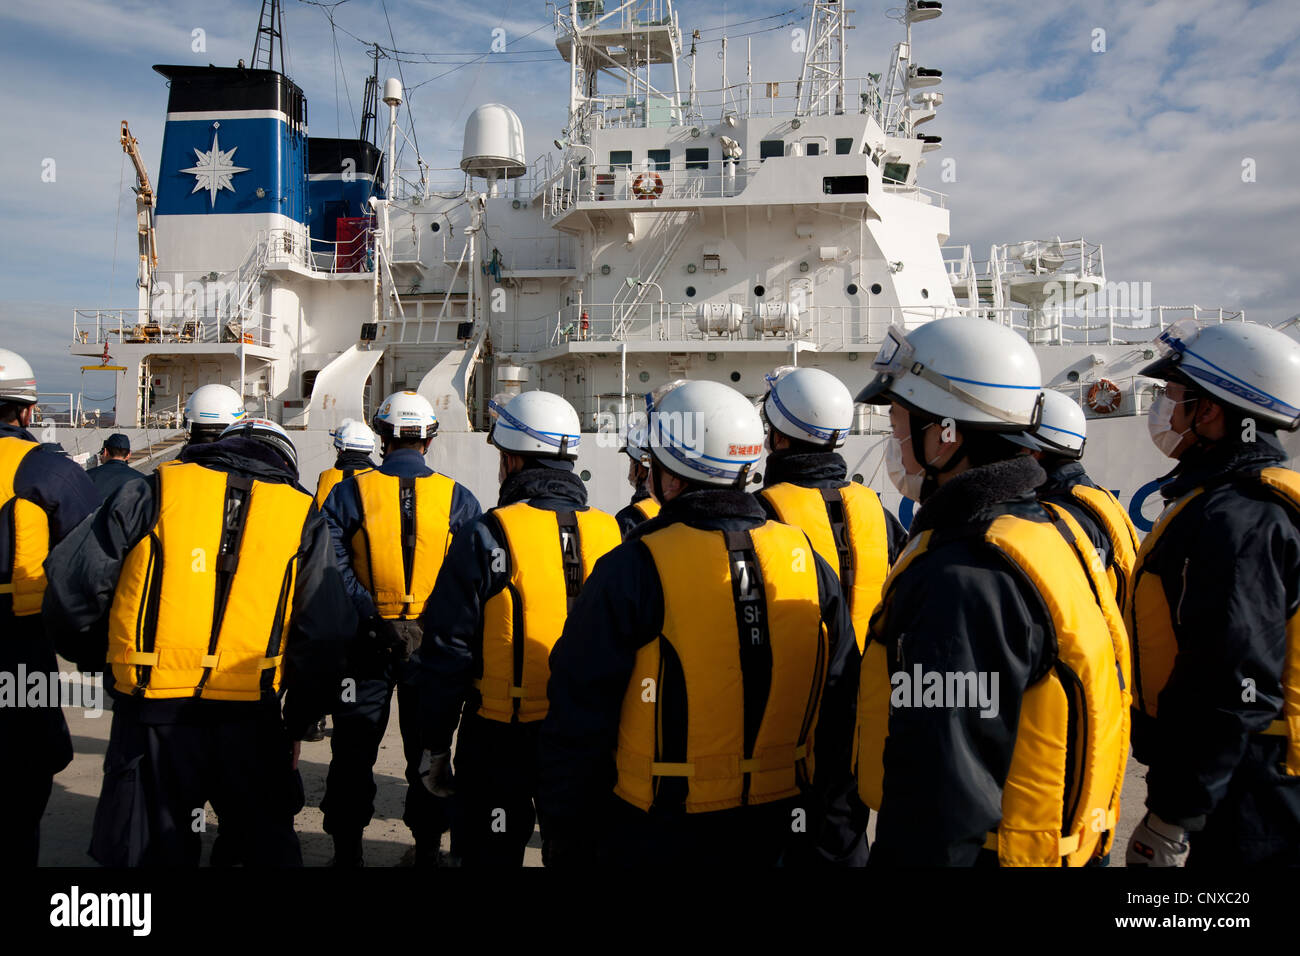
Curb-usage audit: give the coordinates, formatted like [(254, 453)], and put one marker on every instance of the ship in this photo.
[(667, 232)]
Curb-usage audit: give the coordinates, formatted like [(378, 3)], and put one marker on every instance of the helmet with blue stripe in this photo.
[(536, 424), (704, 432), (267, 432), (1062, 431), (1251, 367), (809, 405), (969, 370), (405, 415), (353, 435)]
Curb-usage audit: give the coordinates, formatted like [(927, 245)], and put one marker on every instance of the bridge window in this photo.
[(771, 147), (842, 185), (844, 146), (620, 157), (896, 172), (697, 158), (659, 158)]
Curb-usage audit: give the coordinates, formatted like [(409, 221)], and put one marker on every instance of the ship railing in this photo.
[(57, 408), (169, 327), (860, 96), (528, 253), (1045, 257), (621, 183), (844, 328), (294, 247), (929, 197)]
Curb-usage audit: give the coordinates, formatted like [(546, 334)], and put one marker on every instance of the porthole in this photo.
[(759, 291), (735, 376), (925, 293), (435, 227), (604, 270), (875, 288), (1072, 375), (858, 478), (585, 475), (690, 292), (852, 289), (644, 377)]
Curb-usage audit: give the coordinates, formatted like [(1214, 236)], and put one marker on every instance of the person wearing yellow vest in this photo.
[(642, 507), (702, 692), (354, 443), (805, 484), (1214, 613), (1058, 443), (43, 496), (392, 527), (209, 591), (993, 703), (497, 609)]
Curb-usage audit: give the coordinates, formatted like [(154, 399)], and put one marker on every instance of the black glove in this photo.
[(376, 646)]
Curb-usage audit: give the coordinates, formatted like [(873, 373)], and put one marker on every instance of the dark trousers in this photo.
[(349, 801), (496, 786), (157, 778)]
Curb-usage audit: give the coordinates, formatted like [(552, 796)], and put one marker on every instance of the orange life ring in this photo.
[(648, 186), (1104, 396)]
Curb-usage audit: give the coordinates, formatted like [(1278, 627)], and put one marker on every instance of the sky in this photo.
[(1166, 130)]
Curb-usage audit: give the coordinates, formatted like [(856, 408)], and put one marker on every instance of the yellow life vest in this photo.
[(1060, 800), (1151, 624), (204, 601), (28, 528), (551, 555), (847, 528), (722, 707), (648, 507), (331, 477), (396, 553), (1114, 520)]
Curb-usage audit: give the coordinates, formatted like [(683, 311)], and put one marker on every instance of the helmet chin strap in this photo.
[(932, 472)]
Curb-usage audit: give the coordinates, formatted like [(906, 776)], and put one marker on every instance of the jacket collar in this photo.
[(1062, 478), (543, 486), (243, 456), (15, 431), (804, 468), (353, 459), (983, 493), (1220, 462)]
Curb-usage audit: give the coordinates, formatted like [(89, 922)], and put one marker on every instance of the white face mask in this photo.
[(908, 484), (1162, 431)]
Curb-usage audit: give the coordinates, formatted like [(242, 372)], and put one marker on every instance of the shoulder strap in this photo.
[(834, 502), (234, 518), (570, 555), (750, 599)]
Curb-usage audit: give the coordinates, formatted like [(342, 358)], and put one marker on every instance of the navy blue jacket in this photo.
[(960, 607), (1229, 564), (451, 655), (620, 610), (32, 737), (112, 475), (83, 573), (629, 516), (343, 514)]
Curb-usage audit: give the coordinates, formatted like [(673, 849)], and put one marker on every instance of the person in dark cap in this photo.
[(113, 471)]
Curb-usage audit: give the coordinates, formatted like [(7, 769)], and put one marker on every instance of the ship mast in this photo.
[(623, 42), (269, 25), (821, 87)]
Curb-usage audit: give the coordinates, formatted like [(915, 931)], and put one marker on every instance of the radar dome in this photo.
[(494, 143)]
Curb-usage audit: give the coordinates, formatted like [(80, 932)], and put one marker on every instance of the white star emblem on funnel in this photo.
[(214, 170)]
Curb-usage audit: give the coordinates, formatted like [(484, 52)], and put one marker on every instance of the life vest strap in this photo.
[(6, 589), (718, 767), (152, 658), (499, 687), (1067, 844)]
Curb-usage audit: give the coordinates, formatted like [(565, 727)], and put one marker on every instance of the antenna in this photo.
[(369, 101), (821, 87), (270, 24)]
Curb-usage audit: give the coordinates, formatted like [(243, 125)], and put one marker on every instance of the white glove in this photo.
[(1156, 843), (435, 773)]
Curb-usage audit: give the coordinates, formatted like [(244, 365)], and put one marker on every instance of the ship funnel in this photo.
[(494, 143)]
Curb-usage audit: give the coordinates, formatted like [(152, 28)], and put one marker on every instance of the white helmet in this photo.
[(211, 408), (17, 380), (1251, 367), (405, 414), (263, 430), (536, 423), (809, 405), (637, 447), (970, 370), (704, 432), (353, 435), (1063, 430)]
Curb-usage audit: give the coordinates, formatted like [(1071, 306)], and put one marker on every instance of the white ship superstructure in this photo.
[(680, 232)]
